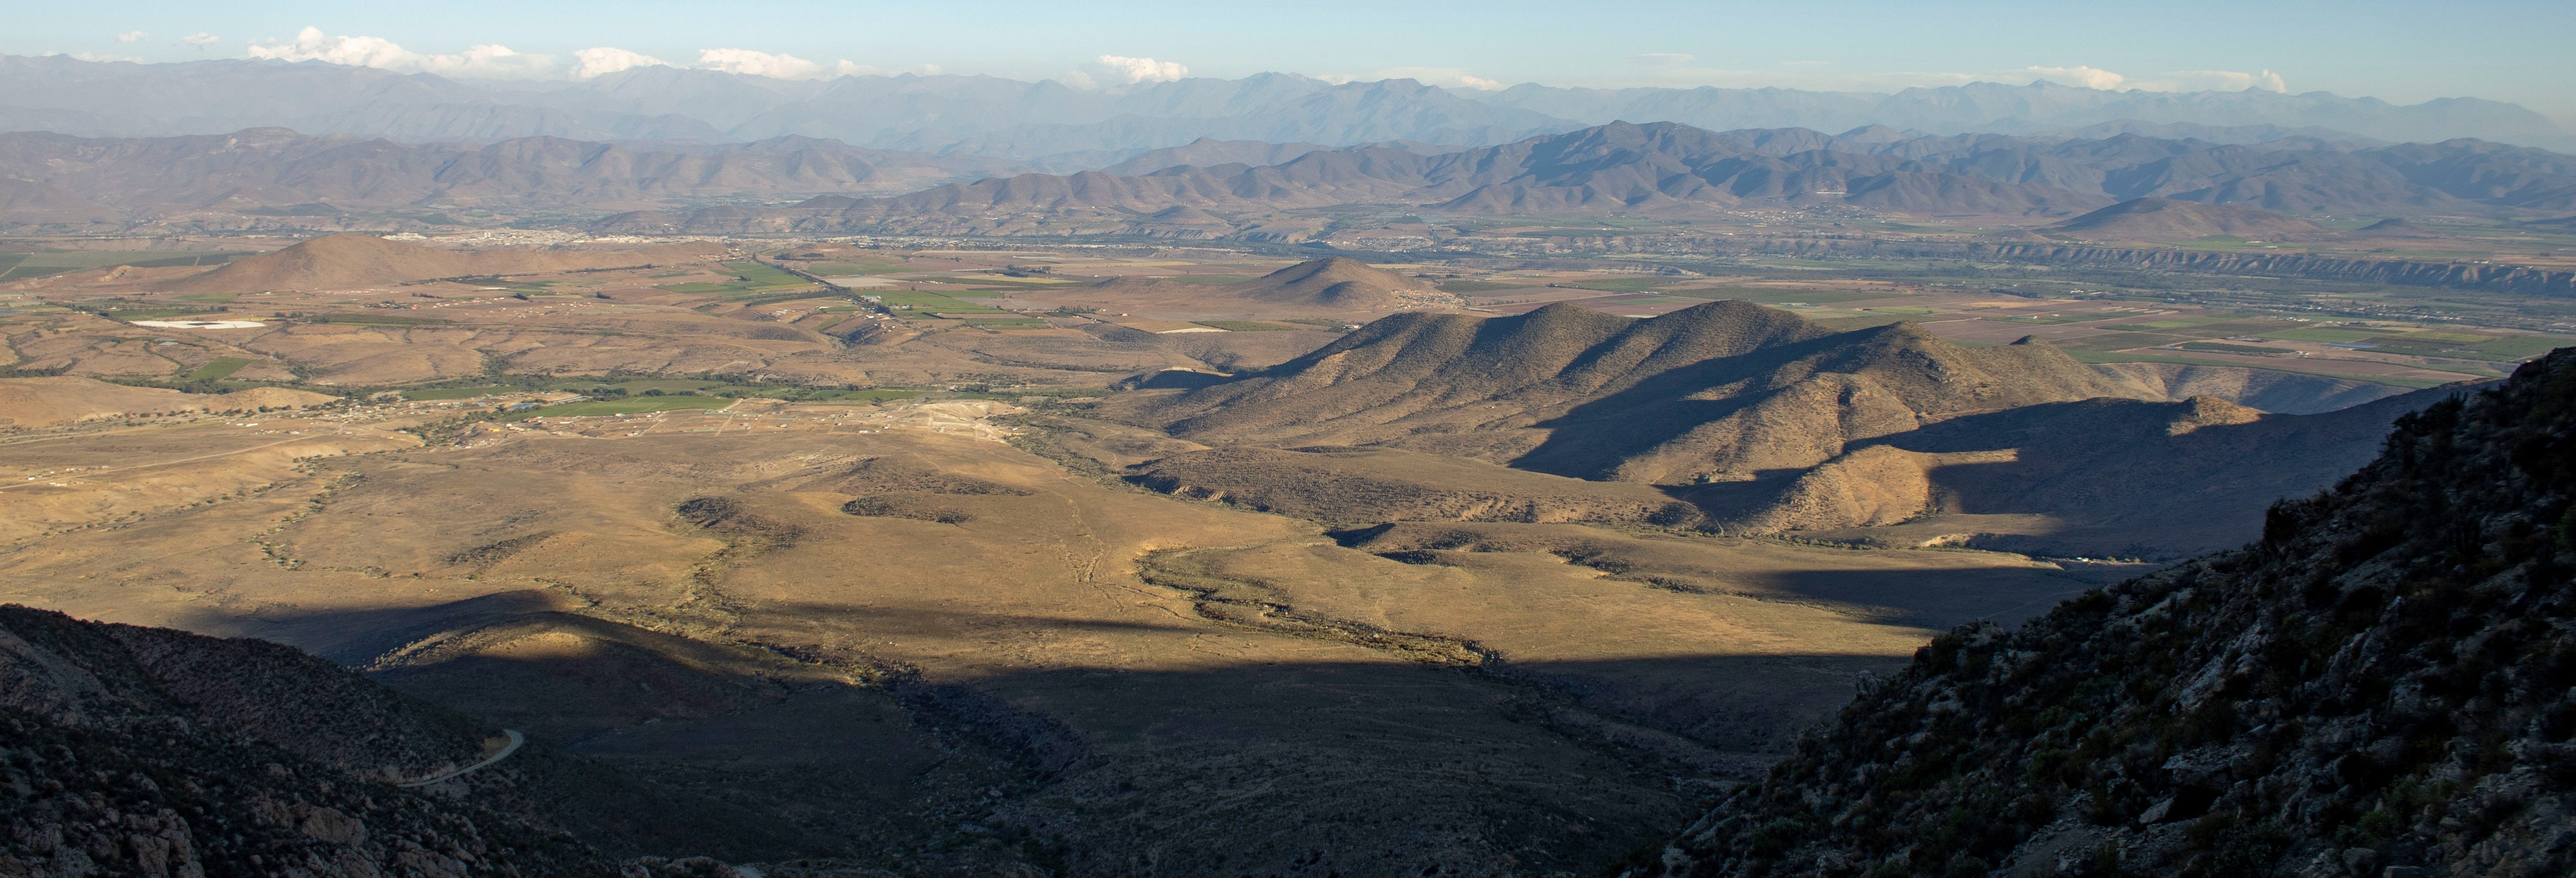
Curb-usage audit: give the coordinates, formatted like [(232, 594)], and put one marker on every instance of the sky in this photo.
[(2508, 50)]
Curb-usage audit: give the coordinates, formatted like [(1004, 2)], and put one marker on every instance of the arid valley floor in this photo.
[(967, 560)]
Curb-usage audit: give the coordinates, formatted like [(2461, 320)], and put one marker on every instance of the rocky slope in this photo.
[(142, 751), (148, 751), (2384, 685)]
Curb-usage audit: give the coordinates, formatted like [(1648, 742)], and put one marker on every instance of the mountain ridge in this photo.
[(1028, 120), (2381, 685)]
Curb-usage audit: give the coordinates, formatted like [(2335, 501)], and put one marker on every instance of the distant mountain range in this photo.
[(1669, 169), (1036, 120), (274, 176)]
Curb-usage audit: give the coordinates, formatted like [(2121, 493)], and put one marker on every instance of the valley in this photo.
[(765, 469)]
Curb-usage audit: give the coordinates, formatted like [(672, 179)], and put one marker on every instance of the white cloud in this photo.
[(846, 67), (2216, 80), (200, 39), (753, 63), (1448, 77), (603, 60), (488, 60), (2088, 77), (132, 36), (1123, 70), (88, 56)]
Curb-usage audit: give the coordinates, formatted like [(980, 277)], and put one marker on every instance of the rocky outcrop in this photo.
[(143, 751), (2384, 685)]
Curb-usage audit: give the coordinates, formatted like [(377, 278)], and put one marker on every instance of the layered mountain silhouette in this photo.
[(2381, 685), (1030, 120), (54, 177), (1769, 423), (1675, 169), (1655, 168)]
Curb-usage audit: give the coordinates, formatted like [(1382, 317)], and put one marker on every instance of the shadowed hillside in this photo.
[(2380, 686), (1716, 392), (222, 753), (1754, 421), (2164, 219)]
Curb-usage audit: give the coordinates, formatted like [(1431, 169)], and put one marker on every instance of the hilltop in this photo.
[(2380, 686), (1755, 421), (354, 260), (1342, 284), (1714, 392), (2165, 219)]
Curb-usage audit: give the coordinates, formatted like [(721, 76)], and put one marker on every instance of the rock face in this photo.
[(2385, 685), (144, 751)]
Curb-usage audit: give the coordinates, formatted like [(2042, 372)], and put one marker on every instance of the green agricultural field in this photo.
[(754, 278), (447, 393), (1623, 284), (2329, 336), (218, 370), (1006, 323), (2118, 341), (763, 274), (869, 395), (375, 319), (2522, 345), (858, 267), (130, 314), (626, 406), (2225, 348), (2175, 323), (929, 304), (21, 266), (1777, 297)]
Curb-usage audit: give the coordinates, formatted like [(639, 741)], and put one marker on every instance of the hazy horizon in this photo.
[(2399, 54)]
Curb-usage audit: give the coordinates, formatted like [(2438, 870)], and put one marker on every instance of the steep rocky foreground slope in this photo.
[(2384, 685), (130, 750)]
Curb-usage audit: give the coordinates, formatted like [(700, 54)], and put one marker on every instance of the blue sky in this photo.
[(2402, 52)]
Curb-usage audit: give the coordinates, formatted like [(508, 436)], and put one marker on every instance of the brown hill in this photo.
[(2164, 219), (355, 260), (1716, 392), (29, 403), (2117, 477), (1758, 422), (1343, 284)]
